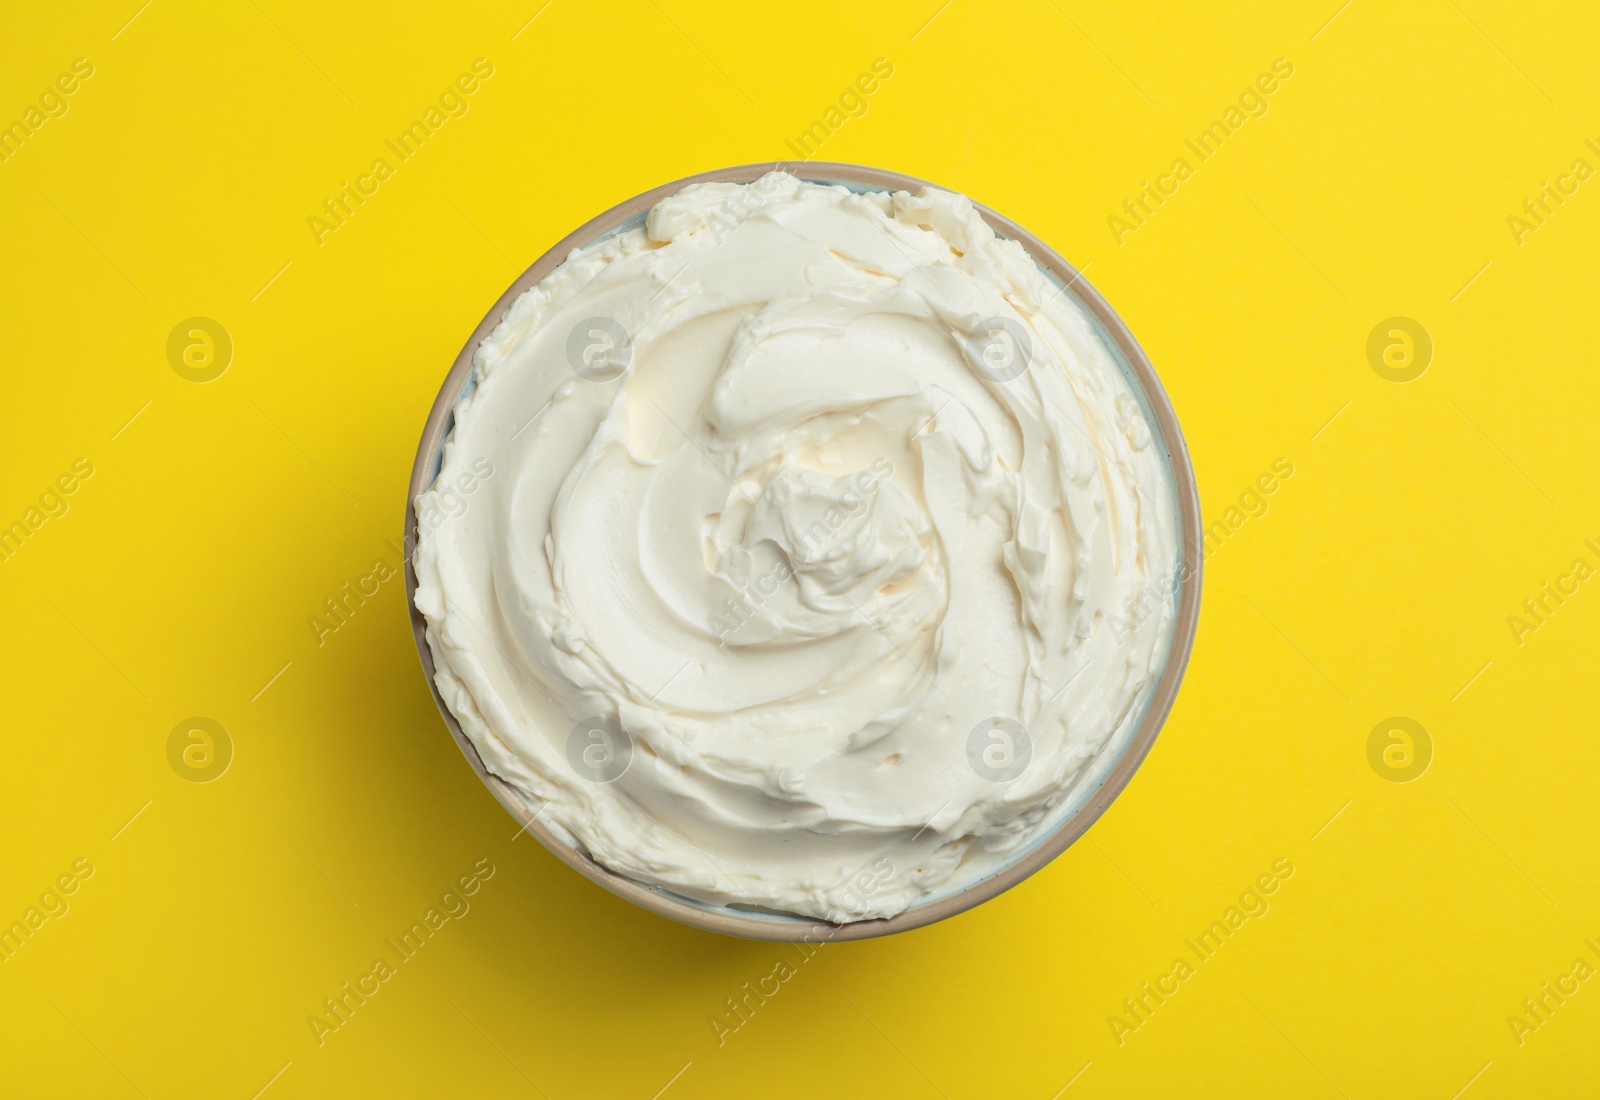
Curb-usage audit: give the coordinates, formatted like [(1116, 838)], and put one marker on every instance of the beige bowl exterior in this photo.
[(799, 929)]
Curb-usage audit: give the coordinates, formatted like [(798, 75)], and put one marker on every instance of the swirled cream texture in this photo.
[(800, 550)]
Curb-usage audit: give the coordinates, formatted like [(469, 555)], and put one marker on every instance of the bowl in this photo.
[(1090, 795)]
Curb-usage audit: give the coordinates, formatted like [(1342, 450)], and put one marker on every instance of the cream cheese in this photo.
[(825, 553)]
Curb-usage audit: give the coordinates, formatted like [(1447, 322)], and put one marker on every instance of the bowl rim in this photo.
[(798, 930)]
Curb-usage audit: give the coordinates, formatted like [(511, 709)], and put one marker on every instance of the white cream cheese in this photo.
[(824, 550)]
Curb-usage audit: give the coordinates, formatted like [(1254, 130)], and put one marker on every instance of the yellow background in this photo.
[(1378, 583)]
